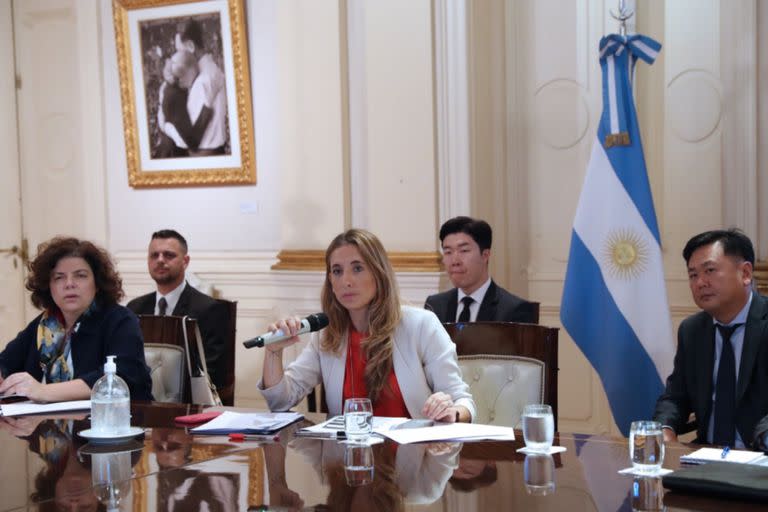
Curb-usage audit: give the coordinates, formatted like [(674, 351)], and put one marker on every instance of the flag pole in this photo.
[(622, 17)]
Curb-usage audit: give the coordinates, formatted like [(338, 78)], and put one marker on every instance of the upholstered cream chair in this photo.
[(507, 365), (167, 366), (168, 331)]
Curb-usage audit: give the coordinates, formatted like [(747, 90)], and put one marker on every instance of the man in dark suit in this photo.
[(466, 244), (721, 364), (167, 261), (761, 435)]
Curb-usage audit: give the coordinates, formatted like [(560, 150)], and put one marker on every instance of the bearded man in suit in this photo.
[(721, 364), (466, 245), (167, 260)]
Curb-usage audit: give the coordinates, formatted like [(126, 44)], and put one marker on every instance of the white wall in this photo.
[(298, 57), (211, 218)]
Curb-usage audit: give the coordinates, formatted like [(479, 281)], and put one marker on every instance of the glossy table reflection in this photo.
[(45, 468)]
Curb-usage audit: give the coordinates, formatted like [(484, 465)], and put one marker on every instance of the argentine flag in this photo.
[(615, 301)]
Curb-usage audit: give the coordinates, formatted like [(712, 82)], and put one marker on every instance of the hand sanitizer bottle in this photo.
[(110, 403)]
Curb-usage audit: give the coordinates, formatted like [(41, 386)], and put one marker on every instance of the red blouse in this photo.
[(390, 402)]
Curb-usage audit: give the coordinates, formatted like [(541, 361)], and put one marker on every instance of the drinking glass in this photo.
[(539, 470), (647, 494), (111, 477), (646, 446), (538, 427), (358, 419), (358, 464)]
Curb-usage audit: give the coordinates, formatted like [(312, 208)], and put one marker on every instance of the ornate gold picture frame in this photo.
[(186, 92)]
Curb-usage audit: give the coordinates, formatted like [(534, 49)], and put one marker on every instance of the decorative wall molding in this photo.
[(452, 108), (401, 261), (255, 281), (309, 259), (208, 261), (738, 68), (761, 236), (357, 86)]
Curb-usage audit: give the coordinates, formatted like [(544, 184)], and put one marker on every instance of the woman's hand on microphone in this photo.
[(290, 325)]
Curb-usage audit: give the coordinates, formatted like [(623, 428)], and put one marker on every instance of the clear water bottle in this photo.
[(110, 403)]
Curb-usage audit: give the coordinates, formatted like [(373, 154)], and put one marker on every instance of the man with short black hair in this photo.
[(721, 364), (466, 245), (167, 260)]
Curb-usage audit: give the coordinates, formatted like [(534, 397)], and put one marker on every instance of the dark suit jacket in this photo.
[(211, 316), (690, 386), (761, 443), (498, 306), (108, 330)]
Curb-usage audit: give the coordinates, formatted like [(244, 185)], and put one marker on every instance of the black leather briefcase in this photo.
[(721, 479)]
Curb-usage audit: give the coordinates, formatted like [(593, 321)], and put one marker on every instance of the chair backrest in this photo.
[(167, 330), (227, 391), (316, 400), (168, 368), (507, 365), (535, 306)]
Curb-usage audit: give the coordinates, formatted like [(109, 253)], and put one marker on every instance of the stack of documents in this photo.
[(22, 408), (248, 423), (334, 427), (400, 430), (705, 455)]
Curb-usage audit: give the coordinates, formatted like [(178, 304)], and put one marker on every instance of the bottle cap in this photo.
[(110, 366)]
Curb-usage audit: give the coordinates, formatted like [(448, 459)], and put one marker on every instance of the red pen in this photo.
[(253, 437)]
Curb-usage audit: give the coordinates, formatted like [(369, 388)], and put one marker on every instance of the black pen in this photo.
[(324, 435)]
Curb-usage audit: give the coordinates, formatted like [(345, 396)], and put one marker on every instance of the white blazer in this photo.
[(424, 360), (420, 475)]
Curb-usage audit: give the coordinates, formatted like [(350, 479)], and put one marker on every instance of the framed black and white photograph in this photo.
[(186, 93)]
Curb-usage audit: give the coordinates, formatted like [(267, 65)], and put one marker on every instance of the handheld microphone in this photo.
[(310, 324)]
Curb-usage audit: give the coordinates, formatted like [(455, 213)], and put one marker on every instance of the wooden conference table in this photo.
[(44, 467)]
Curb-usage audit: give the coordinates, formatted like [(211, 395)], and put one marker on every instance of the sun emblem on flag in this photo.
[(625, 254)]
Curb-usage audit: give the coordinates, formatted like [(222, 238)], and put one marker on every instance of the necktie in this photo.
[(467, 301), (724, 431), (162, 306)]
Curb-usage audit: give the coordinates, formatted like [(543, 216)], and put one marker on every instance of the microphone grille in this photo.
[(317, 321)]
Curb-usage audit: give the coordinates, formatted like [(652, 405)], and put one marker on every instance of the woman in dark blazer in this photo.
[(61, 354)]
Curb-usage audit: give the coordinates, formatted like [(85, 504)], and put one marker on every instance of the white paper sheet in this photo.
[(22, 408), (254, 423), (704, 455), (451, 432)]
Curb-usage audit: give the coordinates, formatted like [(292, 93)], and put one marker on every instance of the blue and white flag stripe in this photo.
[(636, 296), (616, 93), (615, 100), (614, 299)]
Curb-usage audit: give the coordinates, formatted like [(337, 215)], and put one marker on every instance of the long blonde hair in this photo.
[(383, 311)]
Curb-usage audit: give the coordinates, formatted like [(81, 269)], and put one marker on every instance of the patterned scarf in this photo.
[(54, 439), (54, 345)]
